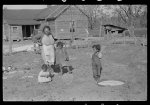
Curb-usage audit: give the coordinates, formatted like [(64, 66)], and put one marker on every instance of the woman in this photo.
[(48, 53)]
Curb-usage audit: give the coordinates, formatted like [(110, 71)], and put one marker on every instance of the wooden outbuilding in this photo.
[(66, 21)]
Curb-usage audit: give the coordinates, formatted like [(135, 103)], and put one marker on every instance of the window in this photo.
[(14, 29), (72, 26)]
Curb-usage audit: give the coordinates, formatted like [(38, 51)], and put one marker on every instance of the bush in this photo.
[(137, 32), (94, 32), (127, 33)]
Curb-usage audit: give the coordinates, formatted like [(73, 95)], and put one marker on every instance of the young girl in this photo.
[(45, 75), (62, 58), (96, 62), (48, 53)]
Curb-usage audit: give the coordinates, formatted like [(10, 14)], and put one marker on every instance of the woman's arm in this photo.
[(37, 37)]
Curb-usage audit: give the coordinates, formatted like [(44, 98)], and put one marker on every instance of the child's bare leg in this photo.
[(94, 68), (99, 69), (68, 67), (69, 70), (61, 70)]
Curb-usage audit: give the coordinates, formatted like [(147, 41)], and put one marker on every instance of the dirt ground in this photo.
[(125, 63), (15, 44)]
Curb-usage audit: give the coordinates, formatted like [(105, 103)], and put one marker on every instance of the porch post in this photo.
[(24, 32), (31, 31), (10, 40), (34, 27)]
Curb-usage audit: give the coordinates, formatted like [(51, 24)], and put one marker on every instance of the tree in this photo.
[(143, 19), (90, 11), (128, 14)]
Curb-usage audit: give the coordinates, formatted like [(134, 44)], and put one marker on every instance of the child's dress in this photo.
[(61, 57), (48, 52), (44, 77)]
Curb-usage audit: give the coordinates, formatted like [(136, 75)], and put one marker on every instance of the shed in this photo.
[(66, 21), (113, 29)]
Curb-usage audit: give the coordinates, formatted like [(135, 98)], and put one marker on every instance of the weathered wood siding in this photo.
[(14, 34), (63, 24), (17, 33)]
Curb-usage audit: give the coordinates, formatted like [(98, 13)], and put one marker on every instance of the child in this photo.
[(62, 58), (96, 62), (36, 38), (45, 75)]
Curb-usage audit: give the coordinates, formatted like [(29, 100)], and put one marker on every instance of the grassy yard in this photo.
[(126, 63)]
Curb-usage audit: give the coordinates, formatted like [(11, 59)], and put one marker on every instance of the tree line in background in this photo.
[(128, 16)]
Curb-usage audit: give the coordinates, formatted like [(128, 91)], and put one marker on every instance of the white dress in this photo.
[(44, 77), (48, 52)]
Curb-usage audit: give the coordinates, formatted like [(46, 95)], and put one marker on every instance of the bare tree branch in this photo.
[(138, 10), (120, 14), (125, 11)]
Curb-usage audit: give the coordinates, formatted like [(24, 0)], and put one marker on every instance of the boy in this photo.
[(62, 58), (96, 62), (36, 38), (45, 75)]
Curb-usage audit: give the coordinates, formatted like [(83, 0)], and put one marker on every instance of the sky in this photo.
[(25, 6)]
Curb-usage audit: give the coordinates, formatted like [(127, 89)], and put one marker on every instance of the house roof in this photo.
[(45, 12), (58, 11), (20, 17), (54, 11)]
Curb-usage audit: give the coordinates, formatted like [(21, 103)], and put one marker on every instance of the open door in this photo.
[(27, 30)]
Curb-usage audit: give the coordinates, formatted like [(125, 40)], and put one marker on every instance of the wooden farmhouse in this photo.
[(19, 23), (65, 21)]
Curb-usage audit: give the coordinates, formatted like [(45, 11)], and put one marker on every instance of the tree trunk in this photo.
[(100, 31), (90, 23), (131, 31)]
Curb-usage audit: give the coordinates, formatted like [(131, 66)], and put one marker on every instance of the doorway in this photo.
[(27, 30)]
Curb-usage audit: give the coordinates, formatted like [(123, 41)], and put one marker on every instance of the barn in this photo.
[(19, 23), (66, 21)]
